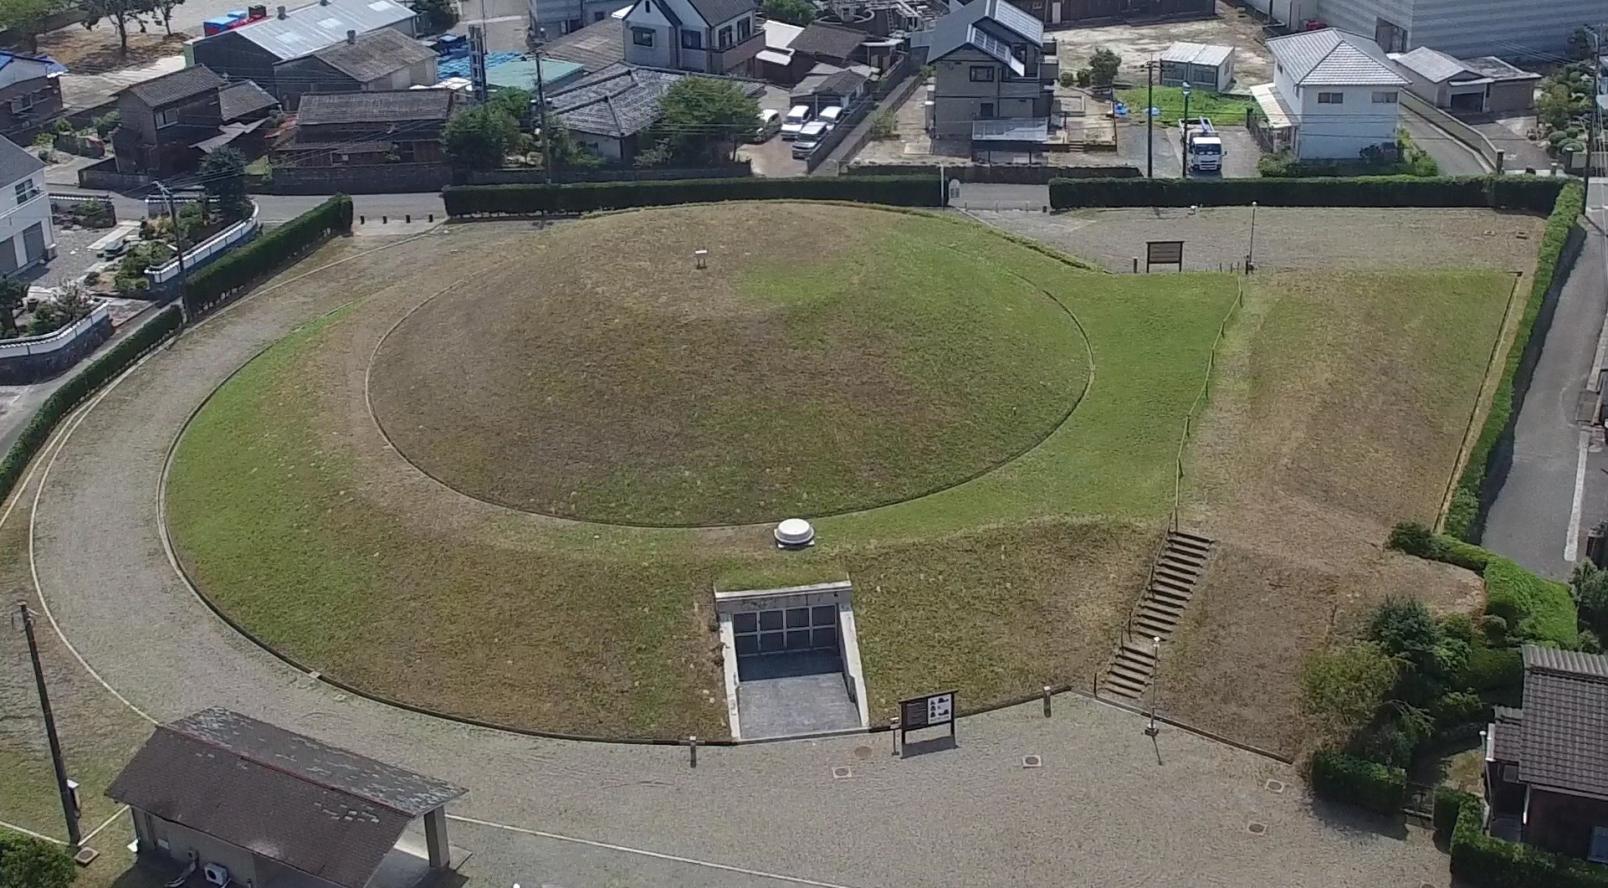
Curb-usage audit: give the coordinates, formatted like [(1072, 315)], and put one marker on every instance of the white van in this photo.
[(829, 115), (770, 122), (808, 138), (796, 117)]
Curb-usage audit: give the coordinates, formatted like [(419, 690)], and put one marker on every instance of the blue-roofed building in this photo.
[(30, 94), (255, 50), (990, 63)]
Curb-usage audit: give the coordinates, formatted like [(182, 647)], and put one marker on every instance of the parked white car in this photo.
[(770, 122), (795, 120), (830, 115), (809, 137)]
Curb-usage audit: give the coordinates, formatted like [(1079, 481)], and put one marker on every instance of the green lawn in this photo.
[(1223, 109)]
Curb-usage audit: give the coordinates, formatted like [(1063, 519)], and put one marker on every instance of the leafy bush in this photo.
[(1568, 204), (1534, 608), (1342, 688), (1370, 785), (1448, 805), (1103, 67), (1375, 191), (27, 862), (1416, 539), (107, 122), (242, 265), (1589, 586), (1458, 708), (1482, 861), (474, 200), (1403, 627), (1493, 669), (1068, 78), (885, 125), (1395, 739)]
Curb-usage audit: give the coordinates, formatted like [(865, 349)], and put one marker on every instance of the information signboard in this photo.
[(1164, 253), (929, 711)]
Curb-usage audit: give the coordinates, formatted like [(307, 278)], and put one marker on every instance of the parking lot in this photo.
[(774, 156)]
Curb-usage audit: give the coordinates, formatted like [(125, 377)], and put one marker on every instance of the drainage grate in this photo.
[(85, 856), (1032, 761), (842, 772), (1274, 785), (1256, 828)]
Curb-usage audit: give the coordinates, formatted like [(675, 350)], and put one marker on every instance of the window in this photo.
[(982, 74), (1598, 853), (26, 191), (167, 118), (725, 37), (597, 16), (642, 36), (22, 103), (1331, 98), (745, 30), (986, 111), (1384, 98), (692, 40)]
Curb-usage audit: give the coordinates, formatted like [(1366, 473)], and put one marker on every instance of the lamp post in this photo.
[(1185, 129), (1250, 254), (1155, 678)]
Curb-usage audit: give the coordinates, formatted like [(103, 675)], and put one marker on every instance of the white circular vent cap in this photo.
[(794, 532)]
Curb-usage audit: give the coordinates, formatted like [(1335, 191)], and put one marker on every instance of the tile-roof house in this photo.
[(30, 94), (1338, 90), (381, 60), (251, 51), (249, 803), (395, 126), (161, 120), (1546, 765), (704, 36), (826, 42), (987, 58), (606, 111)]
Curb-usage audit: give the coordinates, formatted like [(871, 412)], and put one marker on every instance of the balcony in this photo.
[(724, 61)]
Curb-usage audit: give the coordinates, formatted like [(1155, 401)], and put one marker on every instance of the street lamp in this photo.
[(1155, 679), (1185, 129)]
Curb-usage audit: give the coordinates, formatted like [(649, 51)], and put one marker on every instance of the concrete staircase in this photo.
[(1173, 579)]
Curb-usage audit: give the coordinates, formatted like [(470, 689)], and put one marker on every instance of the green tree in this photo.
[(704, 119), (794, 12), (163, 9), (68, 305), (26, 19), (1343, 688), (478, 139), (223, 175), (513, 101), (26, 862), (1403, 627), (121, 13), (568, 153), (439, 15), (1590, 587), (12, 293), (1103, 67)]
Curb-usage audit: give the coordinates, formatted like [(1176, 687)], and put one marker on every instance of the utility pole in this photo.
[(178, 246), (541, 120), (1593, 144), (69, 806), (1150, 119)]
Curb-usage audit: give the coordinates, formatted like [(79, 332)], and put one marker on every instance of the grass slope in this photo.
[(1224, 110)]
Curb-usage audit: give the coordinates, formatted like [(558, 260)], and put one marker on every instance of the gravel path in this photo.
[(1107, 808)]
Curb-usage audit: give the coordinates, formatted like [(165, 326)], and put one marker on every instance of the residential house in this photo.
[(30, 94), (1334, 94), (553, 19), (833, 44), (594, 47), (776, 62), (379, 60), (26, 237), (353, 129), (161, 120), (988, 57), (254, 51), (704, 36), (1546, 764), (609, 110), (1484, 85), (1528, 30), (1089, 12), (229, 800), (828, 85)]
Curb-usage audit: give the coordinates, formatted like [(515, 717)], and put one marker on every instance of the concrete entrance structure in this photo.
[(792, 660)]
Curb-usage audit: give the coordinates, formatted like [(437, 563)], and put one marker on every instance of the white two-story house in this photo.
[(706, 36), (989, 66), (26, 238), (1336, 92)]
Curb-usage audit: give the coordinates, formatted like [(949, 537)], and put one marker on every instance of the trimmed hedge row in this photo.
[(523, 199), (60, 402), (1483, 861), (241, 266), (1448, 807), (1534, 607), (1532, 193), (1416, 539), (1356, 781), (1570, 201)]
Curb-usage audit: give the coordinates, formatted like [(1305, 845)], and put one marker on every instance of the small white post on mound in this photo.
[(700, 258), (794, 533)]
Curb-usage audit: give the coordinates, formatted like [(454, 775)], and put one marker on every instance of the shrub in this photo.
[(1534, 608), (1462, 519), (1448, 805), (1395, 740), (1103, 67), (1589, 586), (1068, 78), (1343, 687), (885, 125), (1492, 669), (242, 265), (474, 200), (1375, 191), (1482, 861), (27, 862), (1084, 77), (1458, 708), (1403, 627), (1370, 785)]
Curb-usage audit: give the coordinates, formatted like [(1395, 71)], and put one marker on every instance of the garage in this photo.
[(33, 243), (8, 256)]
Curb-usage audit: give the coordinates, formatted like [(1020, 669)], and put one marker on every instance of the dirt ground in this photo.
[(1136, 44), (95, 51)]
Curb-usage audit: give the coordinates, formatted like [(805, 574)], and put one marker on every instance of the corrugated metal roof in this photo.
[(1431, 64), (1205, 54), (307, 29), (1332, 57), (374, 55), (381, 107)]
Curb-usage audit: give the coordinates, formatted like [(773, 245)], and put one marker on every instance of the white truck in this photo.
[(1203, 146)]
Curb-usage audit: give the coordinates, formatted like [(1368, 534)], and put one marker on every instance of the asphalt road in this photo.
[(1557, 488), (1454, 158)]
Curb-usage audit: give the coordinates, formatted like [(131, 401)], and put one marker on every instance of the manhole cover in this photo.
[(1255, 828), (863, 752), (85, 856), (1275, 785), (842, 772), (1032, 761)]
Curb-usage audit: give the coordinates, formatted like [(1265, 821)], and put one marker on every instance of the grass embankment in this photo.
[(996, 586), (1224, 110)]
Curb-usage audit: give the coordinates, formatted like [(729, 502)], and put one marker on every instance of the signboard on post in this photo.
[(930, 711), (1164, 253)]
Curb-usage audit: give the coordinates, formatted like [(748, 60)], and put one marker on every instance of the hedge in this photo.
[(478, 200), (1416, 539), (75, 389), (1483, 861), (1569, 203), (241, 266), (27, 862), (1534, 607), (1448, 807), (1356, 781), (1493, 669), (1523, 192)]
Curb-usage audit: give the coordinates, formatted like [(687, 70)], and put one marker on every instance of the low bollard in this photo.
[(893, 730), (1046, 701), (1136, 265), (408, 218), (432, 217), (692, 751), (386, 219), (360, 220)]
